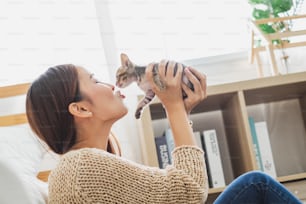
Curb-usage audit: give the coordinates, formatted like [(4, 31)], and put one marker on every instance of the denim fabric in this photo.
[(256, 187)]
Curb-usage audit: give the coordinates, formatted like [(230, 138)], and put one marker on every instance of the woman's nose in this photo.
[(111, 86)]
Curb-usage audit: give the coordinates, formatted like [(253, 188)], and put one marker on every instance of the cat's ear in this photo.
[(125, 61)]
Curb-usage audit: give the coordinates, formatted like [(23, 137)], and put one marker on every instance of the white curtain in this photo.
[(154, 29), (38, 34)]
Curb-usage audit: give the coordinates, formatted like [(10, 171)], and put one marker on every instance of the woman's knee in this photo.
[(257, 177)]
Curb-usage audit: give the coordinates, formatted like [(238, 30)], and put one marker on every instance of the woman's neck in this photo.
[(92, 136)]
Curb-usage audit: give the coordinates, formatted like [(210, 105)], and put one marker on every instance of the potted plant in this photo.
[(263, 9)]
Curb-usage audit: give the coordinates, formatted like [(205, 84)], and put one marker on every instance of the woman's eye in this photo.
[(96, 81)]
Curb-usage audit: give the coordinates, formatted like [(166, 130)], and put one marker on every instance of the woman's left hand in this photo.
[(198, 80)]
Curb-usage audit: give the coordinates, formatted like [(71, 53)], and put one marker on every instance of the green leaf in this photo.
[(259, 14), (266, 28), (280, 6), (265, 2)]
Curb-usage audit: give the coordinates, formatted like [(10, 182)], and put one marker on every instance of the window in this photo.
[(38, 34), (180, 30)]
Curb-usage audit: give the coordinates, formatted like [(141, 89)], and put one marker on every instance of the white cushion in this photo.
[(16, 188), (21, 151)]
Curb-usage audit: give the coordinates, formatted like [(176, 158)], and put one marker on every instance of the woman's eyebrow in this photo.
[(91, 75)]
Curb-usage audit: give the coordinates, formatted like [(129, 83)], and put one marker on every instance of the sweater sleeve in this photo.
[(105, 178)]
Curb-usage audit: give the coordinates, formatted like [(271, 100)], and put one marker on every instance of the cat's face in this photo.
[(125, 74), (122, 78)]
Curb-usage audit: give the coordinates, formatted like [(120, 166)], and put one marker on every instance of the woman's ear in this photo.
[(79, 110)]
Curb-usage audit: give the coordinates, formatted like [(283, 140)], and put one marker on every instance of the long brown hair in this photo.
[(47, 102)]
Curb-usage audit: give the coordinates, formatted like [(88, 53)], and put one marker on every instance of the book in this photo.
[(214, 158), (200, 143), (162, 151), (265, 148), (255, 144), (206, 163), (170, 142), (198, 138)]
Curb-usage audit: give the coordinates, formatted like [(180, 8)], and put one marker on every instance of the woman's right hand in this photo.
[(171, 96)]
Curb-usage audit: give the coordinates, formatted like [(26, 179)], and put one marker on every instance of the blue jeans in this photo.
[(256, 187)]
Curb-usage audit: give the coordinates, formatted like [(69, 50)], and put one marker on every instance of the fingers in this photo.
[(198, 80), (179, 70), (168, 68), (162, 68), (199, 76), (186, 89)]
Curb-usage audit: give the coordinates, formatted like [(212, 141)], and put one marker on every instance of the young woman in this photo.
[(73, 113)]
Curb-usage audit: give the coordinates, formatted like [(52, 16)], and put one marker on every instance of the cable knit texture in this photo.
[(95, 176)]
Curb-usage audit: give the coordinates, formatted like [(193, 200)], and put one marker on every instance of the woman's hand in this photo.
[(171, 96), (199, 84)]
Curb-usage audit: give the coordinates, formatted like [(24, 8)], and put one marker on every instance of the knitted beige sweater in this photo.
[(95, 176)]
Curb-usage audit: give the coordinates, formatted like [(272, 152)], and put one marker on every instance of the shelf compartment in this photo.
[(214, 120), (240, 145), (275, 93), (288, 142)]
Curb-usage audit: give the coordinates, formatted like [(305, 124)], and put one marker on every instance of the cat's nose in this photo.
[(118, 84)]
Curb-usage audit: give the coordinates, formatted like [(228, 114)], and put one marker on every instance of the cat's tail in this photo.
[(144, 101)]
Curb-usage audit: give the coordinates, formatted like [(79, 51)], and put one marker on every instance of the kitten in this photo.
[(130, 72)]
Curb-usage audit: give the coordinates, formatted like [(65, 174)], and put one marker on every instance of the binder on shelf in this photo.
[(162, 151), (214, 158), (255, 144), (170, 142), (265, 148)]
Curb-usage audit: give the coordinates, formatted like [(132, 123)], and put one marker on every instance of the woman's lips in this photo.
[(118, 93)]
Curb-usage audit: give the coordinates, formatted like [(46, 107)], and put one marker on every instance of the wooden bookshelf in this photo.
[(236, 102)]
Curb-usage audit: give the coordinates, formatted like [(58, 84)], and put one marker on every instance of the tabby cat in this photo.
[(129, 72)]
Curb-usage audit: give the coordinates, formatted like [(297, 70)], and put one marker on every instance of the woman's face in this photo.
[(104, 102)]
